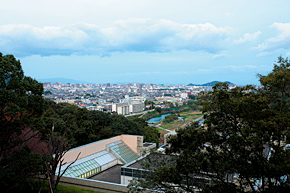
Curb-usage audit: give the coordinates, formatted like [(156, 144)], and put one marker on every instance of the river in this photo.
[(157, 119)]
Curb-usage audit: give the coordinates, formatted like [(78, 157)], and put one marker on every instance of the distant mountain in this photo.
[(213, 83), (208, 84), (63, 80)]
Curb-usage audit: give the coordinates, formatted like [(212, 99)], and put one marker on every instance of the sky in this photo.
[(146, 41)]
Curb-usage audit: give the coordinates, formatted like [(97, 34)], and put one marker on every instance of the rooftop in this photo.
[(112, 174)]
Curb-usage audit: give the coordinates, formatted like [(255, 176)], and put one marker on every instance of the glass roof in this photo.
[(95, 161), (88, 163), (82, 168), (123, 151)]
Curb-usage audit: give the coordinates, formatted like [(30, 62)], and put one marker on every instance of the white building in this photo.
[(120, 108), (123, 109), (137, 107), (184, 95)]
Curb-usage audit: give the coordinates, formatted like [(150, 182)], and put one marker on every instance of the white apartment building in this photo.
[(120, 108), (123, 110), (137, 107)]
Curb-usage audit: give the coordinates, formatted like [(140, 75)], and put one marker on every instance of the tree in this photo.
[(158, 109), (151, 134), (240, 147), (17, 168), (193, 97), (58, 146), (21, 107)]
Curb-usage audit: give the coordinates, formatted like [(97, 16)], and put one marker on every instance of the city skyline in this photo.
[(163, 42)]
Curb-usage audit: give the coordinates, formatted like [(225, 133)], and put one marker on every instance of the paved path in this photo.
[(146, 112), (198, 119), (141, 113), (158, 126)]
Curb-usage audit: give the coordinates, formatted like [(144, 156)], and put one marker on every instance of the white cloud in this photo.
[(220, 55), (278, 43), (139, 35), (249, 37), (240, 68)]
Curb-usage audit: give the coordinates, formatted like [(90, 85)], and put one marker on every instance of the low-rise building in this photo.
[(96, 157)]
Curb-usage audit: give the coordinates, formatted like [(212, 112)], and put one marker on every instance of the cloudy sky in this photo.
[(157, 41)]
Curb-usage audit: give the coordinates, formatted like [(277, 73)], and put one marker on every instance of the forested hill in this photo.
[(208, 84), (86, 126)]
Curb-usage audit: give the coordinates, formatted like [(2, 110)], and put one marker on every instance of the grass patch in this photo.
[(66, 189), (166, 126), (188, 117), (61, 188)]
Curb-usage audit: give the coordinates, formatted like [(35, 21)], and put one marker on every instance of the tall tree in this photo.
[(21, 106), (240, 147), (58, 147)]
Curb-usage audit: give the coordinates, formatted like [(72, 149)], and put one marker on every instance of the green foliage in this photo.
[(122, 125), (193, 102), (151, 134), (21, 165), (86, 126), (158, 109), (240, 147), (170, 118), (149, 103), (193, 97), (21, 102), (21, 107)]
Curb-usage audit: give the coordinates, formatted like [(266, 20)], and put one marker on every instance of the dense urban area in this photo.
[(123, 99)]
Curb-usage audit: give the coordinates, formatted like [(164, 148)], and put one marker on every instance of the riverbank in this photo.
[(188, 117), (153, 114), (157, 119)]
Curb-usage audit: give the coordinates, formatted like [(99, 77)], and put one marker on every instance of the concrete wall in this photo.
[(126, 180), (134, 142), (147, 149), (137, 107), (89, 149)]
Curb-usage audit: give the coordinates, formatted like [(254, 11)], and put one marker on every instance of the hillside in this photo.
[(208, 84)]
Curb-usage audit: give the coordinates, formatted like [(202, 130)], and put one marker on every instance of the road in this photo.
[(141, 113), (198, 119)]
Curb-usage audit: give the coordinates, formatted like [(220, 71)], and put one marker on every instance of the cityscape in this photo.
[(129, 97), (164, 96)]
